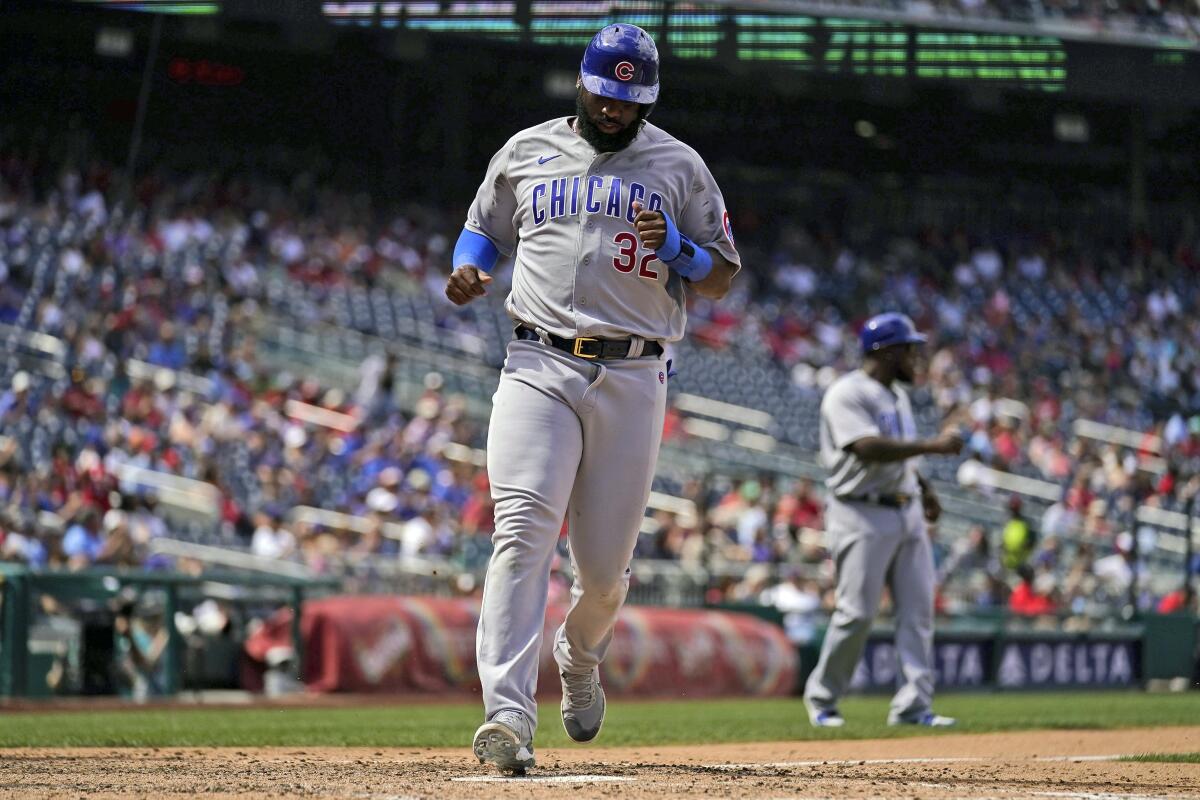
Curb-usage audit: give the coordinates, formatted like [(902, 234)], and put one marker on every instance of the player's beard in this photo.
[(906, 369), (604, 142)]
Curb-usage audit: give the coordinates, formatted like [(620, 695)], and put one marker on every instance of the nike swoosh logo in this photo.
[(544, 159)]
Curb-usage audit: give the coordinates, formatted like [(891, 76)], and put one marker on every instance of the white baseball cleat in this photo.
[(582, 705), (824, 717), (505, 741), (928, 719)]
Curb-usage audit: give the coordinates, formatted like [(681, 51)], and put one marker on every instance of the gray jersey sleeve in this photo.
[(849, 416), (704, 218), (495, 205)]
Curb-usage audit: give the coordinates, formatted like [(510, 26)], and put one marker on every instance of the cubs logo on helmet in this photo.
[(623, 71)]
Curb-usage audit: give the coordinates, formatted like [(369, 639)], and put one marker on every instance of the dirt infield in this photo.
[(1044, 764)]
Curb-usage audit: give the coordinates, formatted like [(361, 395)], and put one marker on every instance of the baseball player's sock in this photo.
[(582, 705), (506, 742)]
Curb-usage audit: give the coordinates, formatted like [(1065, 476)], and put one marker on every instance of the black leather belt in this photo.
[(590, 348), (895, 500)]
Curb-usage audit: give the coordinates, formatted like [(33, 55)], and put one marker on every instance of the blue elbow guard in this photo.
[(475, 249), (683, 255)]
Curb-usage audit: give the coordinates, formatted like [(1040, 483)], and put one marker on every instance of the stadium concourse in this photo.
[(285, 349)]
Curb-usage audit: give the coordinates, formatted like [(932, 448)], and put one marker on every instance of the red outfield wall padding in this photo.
[(427, 645)]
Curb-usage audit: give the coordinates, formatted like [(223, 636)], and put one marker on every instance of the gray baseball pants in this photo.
[(568, 439), (874, 546)]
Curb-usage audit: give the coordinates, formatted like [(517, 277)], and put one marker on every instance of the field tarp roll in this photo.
[(421, 645)]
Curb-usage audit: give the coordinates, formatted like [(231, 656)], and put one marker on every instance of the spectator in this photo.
[(799, 600), (82, 543), (1032, 597), (1181, 600), (799, 509), (118, 549), (140, 642), (1116, 571), (271, 539), (1017, 537), (970, 553)]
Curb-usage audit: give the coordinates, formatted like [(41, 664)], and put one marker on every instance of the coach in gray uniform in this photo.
[(611, 219), (876, 529)]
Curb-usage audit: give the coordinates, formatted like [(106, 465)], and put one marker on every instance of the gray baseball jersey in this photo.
[(567, 210), (855, 407)]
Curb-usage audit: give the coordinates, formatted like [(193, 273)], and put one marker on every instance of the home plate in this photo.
[(544, 779)]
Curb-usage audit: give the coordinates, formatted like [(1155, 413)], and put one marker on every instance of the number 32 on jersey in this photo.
[(627, 256)]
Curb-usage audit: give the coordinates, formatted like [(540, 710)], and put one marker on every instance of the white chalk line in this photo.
[(543, 779)]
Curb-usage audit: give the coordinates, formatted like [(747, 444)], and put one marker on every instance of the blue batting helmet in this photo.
[(621, 62), (885, 330)]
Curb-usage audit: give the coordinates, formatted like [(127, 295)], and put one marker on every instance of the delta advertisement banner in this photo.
[(426, 645), (1010, 663), (957, 665), (1076, 662)]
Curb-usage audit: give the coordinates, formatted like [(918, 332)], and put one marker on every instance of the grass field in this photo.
[(628, 723), (1167, 758)]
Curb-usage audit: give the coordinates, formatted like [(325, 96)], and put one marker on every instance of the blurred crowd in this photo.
[(155, 301), (1029, 335), (170, 283), (762, 542)]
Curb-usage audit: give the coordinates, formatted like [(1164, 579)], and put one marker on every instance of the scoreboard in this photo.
[(749, 34), (829, 45)]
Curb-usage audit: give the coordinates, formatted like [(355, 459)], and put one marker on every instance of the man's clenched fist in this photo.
[(651, 226), (466, 283)]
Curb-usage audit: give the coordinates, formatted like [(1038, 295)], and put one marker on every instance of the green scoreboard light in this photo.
[(1034, 62), (788, 39), (697, 33), (865, 47), (574, 24)]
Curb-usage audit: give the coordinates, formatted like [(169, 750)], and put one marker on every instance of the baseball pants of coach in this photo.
[(873, 546), (567, 438)]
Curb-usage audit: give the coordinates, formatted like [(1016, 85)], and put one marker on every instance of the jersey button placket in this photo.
[(584, 244)]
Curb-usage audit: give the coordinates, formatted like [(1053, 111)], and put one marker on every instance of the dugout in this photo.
[(37, 660)]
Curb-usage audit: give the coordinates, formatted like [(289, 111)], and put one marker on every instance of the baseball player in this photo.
[(610, 218), (875, 525)]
